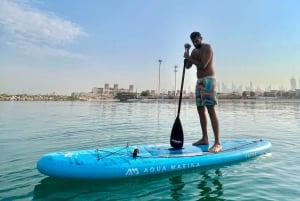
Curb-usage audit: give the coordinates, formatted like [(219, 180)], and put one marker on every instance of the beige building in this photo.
[(109, 92)]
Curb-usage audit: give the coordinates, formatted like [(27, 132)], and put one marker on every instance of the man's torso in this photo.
[(198, 54)]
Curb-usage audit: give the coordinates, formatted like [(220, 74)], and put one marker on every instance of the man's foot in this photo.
[(201, 142), (215, 148)]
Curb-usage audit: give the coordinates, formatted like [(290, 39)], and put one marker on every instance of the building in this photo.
[(97, 90), (293, 84), (298, 92), (131, 88), (108, 92)]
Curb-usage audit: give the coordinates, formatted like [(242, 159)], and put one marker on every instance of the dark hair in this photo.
[(195, 35)]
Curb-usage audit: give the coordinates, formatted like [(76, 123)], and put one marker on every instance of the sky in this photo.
[(72, 46)]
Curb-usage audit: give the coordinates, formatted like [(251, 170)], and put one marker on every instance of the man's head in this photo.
[(196, 39)]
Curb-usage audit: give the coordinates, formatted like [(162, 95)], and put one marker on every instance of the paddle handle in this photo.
[(187, 48)]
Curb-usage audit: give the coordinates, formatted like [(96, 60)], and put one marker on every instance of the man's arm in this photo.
[(202, 62)]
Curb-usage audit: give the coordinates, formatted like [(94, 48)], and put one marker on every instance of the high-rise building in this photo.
[(251, 88), (131, 87), (116, 87), (233, 87), (293, 84)]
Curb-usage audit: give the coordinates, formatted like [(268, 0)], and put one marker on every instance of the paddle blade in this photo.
[(176, 139)]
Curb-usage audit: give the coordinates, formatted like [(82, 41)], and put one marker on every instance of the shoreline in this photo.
[(151, 100)]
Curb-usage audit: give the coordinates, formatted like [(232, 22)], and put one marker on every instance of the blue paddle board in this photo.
[(130, 161)]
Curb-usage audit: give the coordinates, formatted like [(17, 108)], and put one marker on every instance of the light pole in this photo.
[(159, 61), (175, 71)]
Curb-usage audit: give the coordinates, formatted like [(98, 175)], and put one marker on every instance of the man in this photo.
[(202, 58)]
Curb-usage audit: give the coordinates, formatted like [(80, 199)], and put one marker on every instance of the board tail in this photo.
[(176, 139)]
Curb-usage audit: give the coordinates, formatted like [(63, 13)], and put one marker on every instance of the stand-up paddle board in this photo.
[(129, 161)]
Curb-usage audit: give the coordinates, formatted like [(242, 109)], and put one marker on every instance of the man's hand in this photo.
[(187, 63), (187, 47), (186, 55)]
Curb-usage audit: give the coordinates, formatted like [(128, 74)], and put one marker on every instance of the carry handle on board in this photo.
[(177, 138)]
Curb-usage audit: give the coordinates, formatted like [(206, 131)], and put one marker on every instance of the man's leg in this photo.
[(215, 126), (203, 123)]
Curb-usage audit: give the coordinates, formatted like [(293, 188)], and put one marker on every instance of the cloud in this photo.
[(42, 50), (29, 28)]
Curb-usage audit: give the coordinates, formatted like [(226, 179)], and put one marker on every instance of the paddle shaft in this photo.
[(182, 82)]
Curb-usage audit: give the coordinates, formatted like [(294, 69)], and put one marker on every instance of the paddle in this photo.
[(177, 138)]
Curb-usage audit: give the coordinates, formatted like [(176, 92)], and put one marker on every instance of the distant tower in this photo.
[(106, 89), (116, 89), (116, 86), (159, 61), (293, 84), (224, 88), (131, 87), (251, 86), (233, 87)]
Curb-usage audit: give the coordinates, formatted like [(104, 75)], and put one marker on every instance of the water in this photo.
[(31, 129)]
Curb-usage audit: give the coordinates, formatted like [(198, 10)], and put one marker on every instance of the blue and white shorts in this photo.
[(206, 91)]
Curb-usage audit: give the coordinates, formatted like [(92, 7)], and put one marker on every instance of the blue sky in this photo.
[(71, 46)]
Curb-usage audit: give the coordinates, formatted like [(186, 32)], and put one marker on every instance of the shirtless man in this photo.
[(202, 58)]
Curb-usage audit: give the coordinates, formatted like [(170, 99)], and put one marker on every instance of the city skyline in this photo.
[(49, 46), (221, 87)]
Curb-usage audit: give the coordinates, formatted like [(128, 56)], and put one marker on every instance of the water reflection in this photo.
[(205, 185), (66, 189), (209, 186), (59, 189), (177, 186)]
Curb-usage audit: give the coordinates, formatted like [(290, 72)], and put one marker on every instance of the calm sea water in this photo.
[(30, 129)]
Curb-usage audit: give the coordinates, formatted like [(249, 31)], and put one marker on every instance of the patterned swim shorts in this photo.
[(206, 91)]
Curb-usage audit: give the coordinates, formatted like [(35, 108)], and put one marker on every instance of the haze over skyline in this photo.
[(72, 46)]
